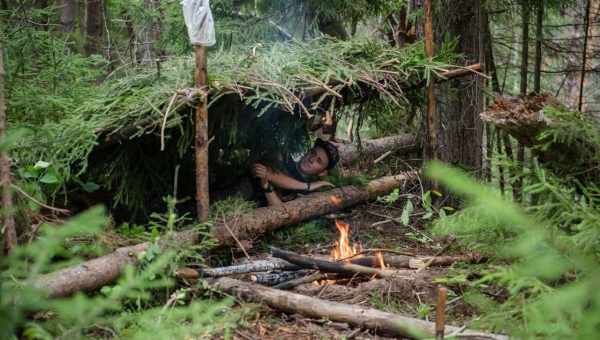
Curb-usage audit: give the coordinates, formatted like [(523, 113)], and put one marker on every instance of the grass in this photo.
[(299, 237)]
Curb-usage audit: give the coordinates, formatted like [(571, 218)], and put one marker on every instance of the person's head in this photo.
[(323, 156)]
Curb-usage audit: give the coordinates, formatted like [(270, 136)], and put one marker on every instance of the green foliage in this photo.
[(548, 270), (303, 235), (127, 309)]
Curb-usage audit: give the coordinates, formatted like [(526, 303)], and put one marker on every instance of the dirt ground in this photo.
[(415, 297)]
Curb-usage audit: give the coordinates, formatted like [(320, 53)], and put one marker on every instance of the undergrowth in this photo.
[(543, 261), (131, 308)]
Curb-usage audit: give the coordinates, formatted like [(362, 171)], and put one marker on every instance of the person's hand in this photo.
[(320, 184), (264, 183), (261, 171)]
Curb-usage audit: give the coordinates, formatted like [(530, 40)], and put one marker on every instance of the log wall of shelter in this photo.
[(95, 273)]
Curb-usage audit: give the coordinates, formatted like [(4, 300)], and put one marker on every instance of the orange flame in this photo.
[(342, 248)]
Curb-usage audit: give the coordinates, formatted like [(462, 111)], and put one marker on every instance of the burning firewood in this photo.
[(328, 266)]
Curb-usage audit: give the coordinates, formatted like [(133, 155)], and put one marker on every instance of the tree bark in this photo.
[(201, 140), (460, 130), (95, 273), (584, 56), (263, 220), (8, 228), (539, 37), (377, 147), (432, 144), (67, 16), (355, 315), (93, 18)]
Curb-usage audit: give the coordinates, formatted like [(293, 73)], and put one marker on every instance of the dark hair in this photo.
[(331, 150)]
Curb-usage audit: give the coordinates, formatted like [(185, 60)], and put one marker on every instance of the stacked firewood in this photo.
[(285, 270)]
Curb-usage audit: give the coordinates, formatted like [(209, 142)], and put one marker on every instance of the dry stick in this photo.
[(440, 252), (358, 316), (440, 315), (316, 276), (382, 157), (328, 266), (235, 237), (164, 124), (22, 192)]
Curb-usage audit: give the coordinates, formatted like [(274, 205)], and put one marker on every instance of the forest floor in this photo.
[(414, 298)]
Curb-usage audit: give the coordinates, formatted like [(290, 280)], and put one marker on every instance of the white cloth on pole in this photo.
[(199, 22)]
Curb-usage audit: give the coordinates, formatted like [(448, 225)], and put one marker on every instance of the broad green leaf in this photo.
[(41, 165), (406, 212), (49, 178)]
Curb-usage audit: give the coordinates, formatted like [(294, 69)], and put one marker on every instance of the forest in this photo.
[(274, 169)]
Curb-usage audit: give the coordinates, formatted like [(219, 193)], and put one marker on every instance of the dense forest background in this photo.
[(90, 91)]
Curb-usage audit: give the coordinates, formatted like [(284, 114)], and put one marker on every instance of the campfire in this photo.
[(343, 249)]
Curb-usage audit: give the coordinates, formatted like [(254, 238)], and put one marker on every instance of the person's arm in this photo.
[(286, 182), (271, 195)]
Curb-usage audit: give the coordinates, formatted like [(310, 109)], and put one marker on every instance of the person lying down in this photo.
[(298, 174)]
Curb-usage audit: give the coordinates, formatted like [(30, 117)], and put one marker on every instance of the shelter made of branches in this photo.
[(137, 112)]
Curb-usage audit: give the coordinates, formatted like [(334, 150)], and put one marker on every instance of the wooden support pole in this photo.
[(201, 141), (440, 315), (431, 152)]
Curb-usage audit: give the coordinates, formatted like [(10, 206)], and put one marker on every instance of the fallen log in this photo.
[(358, 316), (377, 147), (328, 266), (267, 219), (95, 273)]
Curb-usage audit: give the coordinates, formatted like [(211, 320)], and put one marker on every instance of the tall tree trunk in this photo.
[(525, 15), (584, 57), (67, 15), (460, 101), (93, 18), (8, 225), (539, 37)]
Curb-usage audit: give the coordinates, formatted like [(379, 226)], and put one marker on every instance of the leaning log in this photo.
[(355, 315), (377, 147), (263, 220), (98, 272)]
